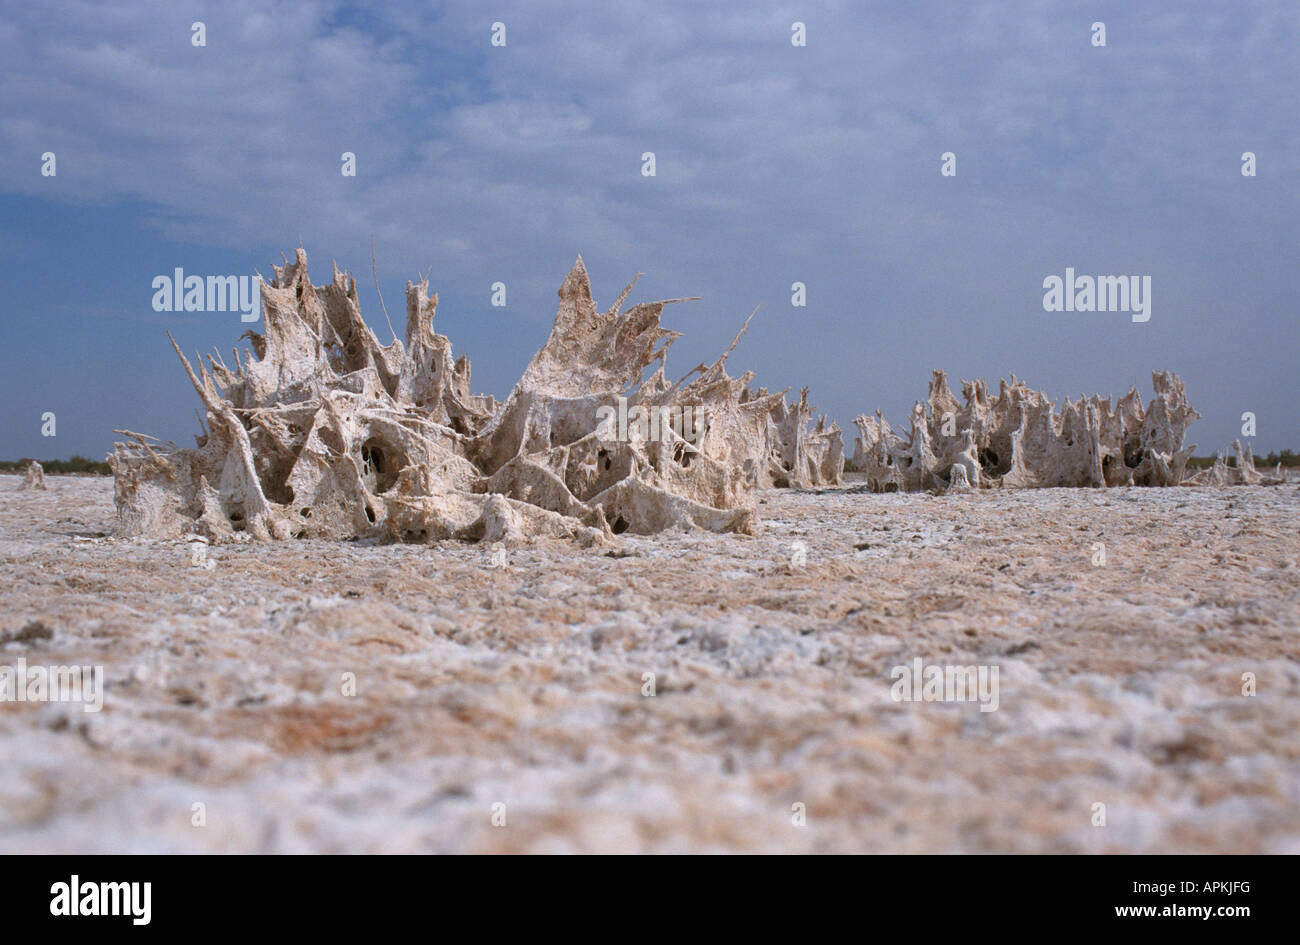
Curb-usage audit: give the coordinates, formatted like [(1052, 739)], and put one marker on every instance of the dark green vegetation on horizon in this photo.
[(80, 465), (77, 465)]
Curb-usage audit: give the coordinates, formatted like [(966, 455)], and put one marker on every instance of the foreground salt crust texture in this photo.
[(522, 685)]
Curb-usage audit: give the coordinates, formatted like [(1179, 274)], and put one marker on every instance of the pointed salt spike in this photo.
[(194, 379), (740, 334), (618, 303), (208, 384), (662, 355), (698, 369), (576, 284)]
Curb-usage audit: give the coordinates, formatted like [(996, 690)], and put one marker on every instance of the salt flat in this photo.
[(1120, 683)]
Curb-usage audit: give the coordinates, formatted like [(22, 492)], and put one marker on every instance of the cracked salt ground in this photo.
[(521, 685)]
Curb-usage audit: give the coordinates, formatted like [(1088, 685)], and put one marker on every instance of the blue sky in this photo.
[(775, 164)]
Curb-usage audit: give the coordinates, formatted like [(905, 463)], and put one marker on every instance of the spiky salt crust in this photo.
[(1017, 439), (320, 431)]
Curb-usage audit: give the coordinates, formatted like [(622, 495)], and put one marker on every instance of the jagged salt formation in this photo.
[(34, 479), (1017, 439), (799, 457), (1242, 472), (323, 432)]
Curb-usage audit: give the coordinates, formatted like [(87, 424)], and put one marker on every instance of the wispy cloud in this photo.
[(774, 164)]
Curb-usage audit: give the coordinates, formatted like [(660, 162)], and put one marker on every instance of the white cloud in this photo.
[(772, 160)]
